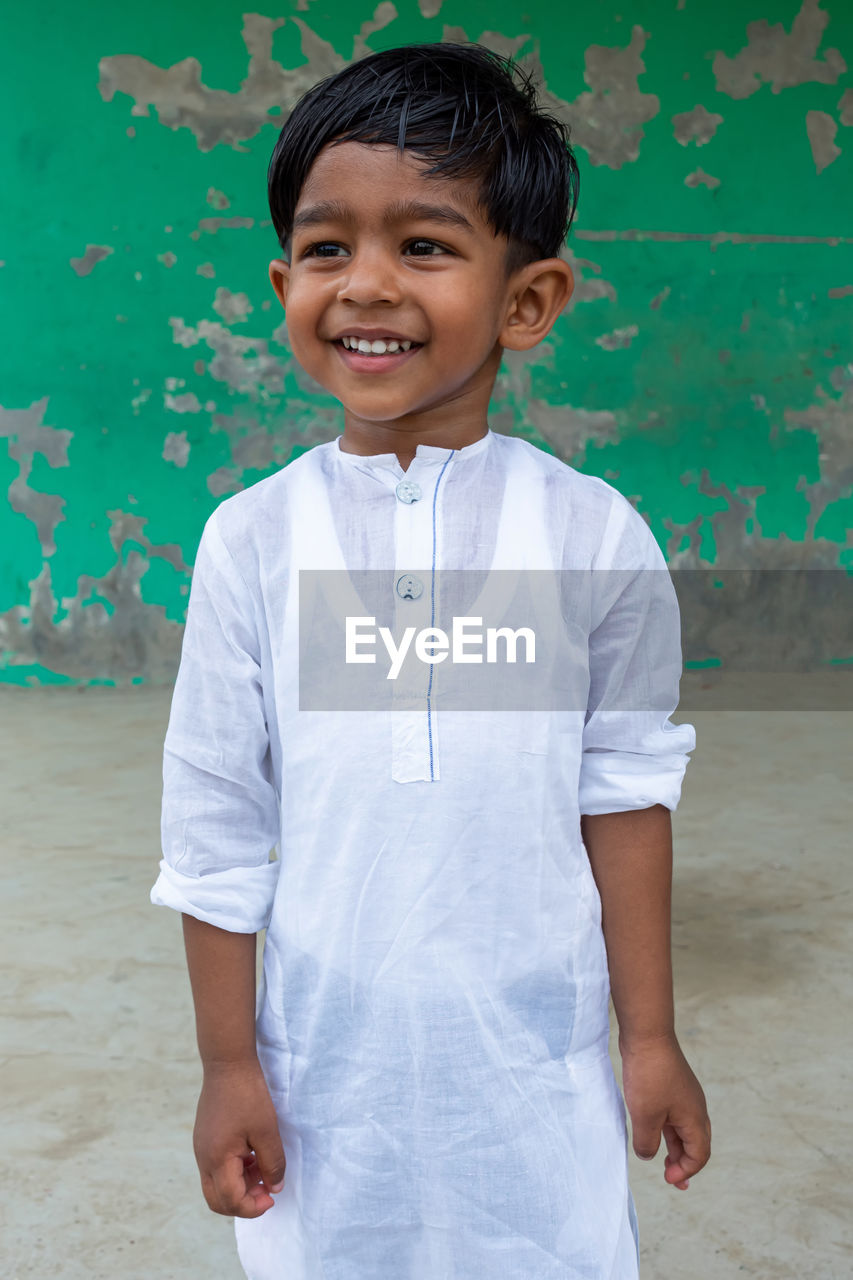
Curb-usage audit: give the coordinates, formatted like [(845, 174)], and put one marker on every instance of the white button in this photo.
[(408, 491), (409, 588)]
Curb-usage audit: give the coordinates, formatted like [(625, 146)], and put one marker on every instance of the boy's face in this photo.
[(381, 252)]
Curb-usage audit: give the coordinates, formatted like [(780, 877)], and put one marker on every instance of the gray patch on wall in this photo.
[(698, 125), (588, 288), (94, 253), (28, 434), (136, 639), (183, 101), (779, 58), (253, 448), (232, 362), (608, 120), (700, 178), (831, 420), (822, 129), (572, 432)]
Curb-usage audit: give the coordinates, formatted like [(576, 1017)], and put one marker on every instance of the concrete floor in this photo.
[(99, 1070)]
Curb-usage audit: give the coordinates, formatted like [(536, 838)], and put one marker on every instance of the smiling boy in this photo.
[(429, 272), (456, 893)]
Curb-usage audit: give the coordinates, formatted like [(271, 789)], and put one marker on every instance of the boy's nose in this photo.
[(371, 278)]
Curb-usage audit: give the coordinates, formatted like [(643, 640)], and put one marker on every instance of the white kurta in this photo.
[(434, 1019)]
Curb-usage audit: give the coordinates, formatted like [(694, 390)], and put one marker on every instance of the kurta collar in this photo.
[(424, 453)]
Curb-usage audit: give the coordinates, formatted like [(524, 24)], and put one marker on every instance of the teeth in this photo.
[(378, 347)]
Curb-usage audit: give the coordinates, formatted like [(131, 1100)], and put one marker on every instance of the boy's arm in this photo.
[(631, 858), (236, 1139)]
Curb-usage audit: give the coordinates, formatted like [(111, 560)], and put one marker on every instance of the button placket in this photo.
[(414, 729)]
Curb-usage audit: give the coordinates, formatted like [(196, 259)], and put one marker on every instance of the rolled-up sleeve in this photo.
[(220, 817), (633, 755)]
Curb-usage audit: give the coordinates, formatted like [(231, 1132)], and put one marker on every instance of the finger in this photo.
[(269, 1154), (646, 1138), (674, 1144), (254, 1184), (236, 1192), (672, 1170), (696, 1143), (688, 1151)]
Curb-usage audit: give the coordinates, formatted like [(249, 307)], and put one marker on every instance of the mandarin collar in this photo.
[(425, 454)]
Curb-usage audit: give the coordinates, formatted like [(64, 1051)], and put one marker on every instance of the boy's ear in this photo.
[(538, 293), (280, 278)]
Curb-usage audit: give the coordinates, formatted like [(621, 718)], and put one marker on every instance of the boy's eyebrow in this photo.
[(401, 211)]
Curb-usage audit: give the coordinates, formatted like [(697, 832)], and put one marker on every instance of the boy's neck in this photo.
[(366, 439)]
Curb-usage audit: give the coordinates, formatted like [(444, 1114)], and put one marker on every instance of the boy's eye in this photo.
[(320, 250), (425, 248)]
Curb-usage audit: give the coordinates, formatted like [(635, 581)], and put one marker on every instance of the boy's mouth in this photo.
[(377, 346), (368, 356)]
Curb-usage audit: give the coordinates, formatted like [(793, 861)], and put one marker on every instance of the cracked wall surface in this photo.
[(704, 365)]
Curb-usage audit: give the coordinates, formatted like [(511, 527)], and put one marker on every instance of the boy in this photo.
[(431, 1045)]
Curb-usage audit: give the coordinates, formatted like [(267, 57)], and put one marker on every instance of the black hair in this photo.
[(470, 112)]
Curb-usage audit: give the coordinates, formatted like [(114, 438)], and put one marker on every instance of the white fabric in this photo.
[(434, 1018)]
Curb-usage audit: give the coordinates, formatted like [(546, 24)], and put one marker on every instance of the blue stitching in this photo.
[(432, 612)]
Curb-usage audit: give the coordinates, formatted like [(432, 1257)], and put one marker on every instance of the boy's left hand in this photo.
[(663, 1096)]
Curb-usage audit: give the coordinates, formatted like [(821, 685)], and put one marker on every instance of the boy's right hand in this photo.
[(236, 1140)]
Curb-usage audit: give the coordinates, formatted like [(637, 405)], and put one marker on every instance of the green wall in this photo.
[(704, 364)]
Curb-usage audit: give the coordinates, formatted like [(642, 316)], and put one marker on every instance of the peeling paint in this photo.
[(780, 58), (698, 125), (211, 225), (573, 431), (619, 338), (28, 434), (215, 116), (822, 129), (234, 308), (383, 15), (700, 178), (254, 449), (176, 448), (187, 403), (94, 253), (831, 419), (231, 363), (845, 107), (105, 625), (139, 400), (606, 121), (132, 639), (588, 287)]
